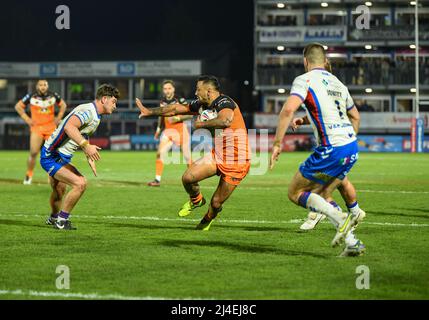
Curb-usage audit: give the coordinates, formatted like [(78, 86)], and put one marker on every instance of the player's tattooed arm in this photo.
[(354, 117), (222, 121), (182, 118), (166, 111), (285, 118)]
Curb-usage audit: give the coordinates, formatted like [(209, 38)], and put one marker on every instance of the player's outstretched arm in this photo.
[(286, 115), (181, 118), (72, 131), (166, 111), (354, 117), (222, 121)]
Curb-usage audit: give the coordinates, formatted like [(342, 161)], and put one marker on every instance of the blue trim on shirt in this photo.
[(95, 106), (298, 95), (81, 121)]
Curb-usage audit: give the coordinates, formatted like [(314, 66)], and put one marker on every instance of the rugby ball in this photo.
[(208, 115)]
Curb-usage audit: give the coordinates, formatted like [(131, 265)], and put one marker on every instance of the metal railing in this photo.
[(349, 74)]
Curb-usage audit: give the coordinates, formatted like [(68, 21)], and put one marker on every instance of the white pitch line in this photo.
[(152, 218), (88, 296), (123, 185), (392, 191), (397, 224), (191, 220), (363, 191)]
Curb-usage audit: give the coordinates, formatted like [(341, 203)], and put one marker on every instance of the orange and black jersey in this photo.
[(166, 121), (42, 107), (174, 100), (234, 137), (218, 104)]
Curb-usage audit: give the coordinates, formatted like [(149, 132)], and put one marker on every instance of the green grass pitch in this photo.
[(130, 243)]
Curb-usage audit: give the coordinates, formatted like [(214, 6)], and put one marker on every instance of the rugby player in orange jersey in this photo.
[(42, 122), (172, 130), (230, 157)]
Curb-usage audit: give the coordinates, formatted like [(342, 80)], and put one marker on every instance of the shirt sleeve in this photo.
[(57, 98), (299, 88), (183, 101), (350, 104), (225, 103), (26, 99), (85, 116)]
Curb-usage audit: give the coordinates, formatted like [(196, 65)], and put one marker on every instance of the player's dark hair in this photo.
[(169, 82), (107, 90), (315, 53), (210, 80)]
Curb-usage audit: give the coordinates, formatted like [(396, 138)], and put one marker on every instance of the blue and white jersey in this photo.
[(60, 142), (327, 101)]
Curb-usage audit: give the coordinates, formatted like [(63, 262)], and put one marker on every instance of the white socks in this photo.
[(354, 208), (318, 204)]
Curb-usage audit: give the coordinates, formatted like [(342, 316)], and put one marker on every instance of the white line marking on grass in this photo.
[(397, 224), (363, 191), (244, 221), (393, 191), (89, 296), (293, 221), (276, 187), (192, 220)]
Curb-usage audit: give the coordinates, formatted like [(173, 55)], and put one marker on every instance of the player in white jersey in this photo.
[(333, 117), (57, 152), (346, 189)]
